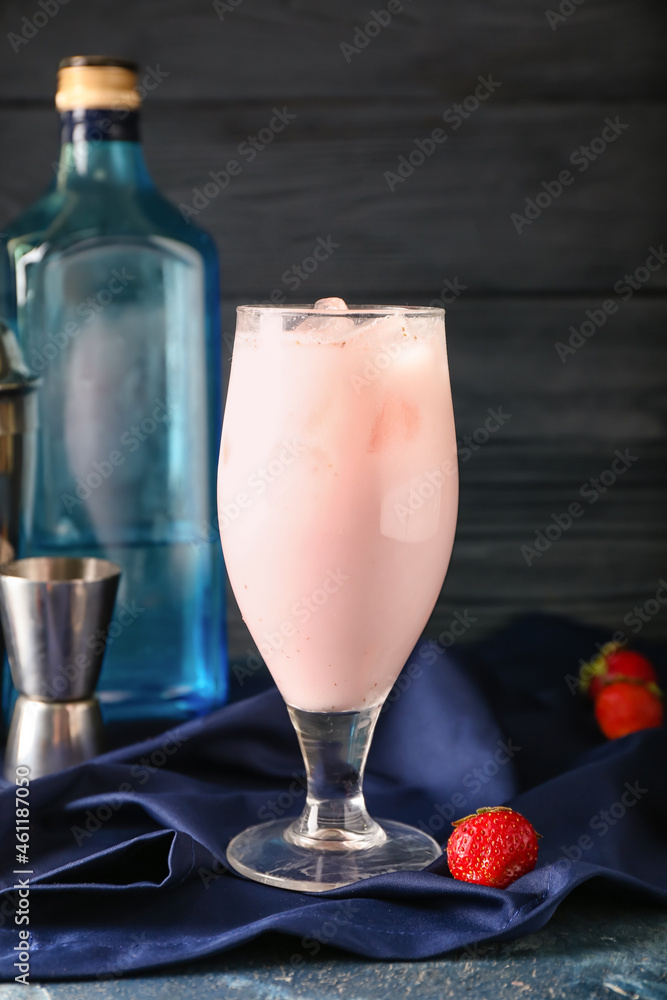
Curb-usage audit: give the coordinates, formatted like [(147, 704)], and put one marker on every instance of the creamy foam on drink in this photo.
[(337, 494)]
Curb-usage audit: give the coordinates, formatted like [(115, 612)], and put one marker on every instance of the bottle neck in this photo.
[(100, 147)]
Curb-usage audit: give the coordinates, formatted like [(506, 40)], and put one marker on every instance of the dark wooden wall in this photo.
[(323, 175)]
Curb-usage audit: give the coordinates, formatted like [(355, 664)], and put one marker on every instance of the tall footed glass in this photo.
[(337, 499)]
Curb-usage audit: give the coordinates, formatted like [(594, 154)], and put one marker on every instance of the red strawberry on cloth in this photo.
[(624, 707), (614, 663), (494, 847)]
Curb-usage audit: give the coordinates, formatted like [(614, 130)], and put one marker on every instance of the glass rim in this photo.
[(351, 311)]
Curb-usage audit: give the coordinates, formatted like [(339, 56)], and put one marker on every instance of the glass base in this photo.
[(266, 853)]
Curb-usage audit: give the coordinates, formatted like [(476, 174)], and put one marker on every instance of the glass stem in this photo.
[(335, 747)]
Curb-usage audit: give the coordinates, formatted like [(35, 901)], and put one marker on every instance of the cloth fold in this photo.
[(127, 851)]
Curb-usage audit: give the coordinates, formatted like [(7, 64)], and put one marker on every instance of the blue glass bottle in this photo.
[(114, 299)]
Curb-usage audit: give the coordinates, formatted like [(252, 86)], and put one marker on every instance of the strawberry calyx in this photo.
[(479, 812), (649, 685), (597, 667), (490, 809)]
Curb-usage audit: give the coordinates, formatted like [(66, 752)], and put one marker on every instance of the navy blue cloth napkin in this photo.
[(127, 851)]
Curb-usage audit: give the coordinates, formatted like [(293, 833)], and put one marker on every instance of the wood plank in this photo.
[(607, 562), (277, 49), (590, 581), (594, 582), (610, 393), (324, 175), (610, 561)]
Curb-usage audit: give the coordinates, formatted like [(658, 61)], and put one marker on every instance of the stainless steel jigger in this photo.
[(55, 615)]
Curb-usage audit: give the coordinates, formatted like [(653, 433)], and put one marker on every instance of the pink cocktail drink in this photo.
[(337, 497), (337, 503)]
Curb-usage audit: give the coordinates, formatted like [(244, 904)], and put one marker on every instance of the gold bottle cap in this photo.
[(102, 82)]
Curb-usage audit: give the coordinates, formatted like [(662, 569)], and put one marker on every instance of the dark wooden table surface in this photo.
[(594, 948)]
